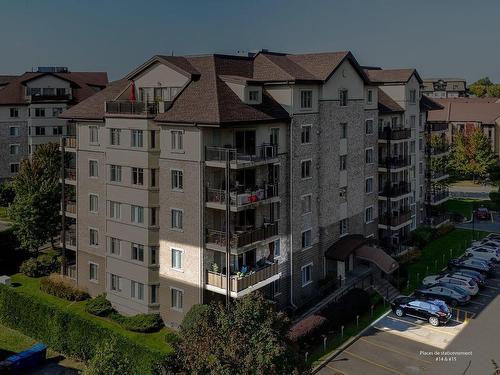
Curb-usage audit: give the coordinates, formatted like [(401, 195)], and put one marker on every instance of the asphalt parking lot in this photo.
[(468, 344)]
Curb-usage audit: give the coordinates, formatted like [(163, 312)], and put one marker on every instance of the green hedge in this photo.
[(145, 323), (59, 287), (68, 333)]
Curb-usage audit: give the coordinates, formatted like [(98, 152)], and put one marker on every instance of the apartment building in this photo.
[(444, 88), (29, 108), (279, 150)]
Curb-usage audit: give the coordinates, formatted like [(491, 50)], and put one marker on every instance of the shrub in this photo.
[(422, 236), (69, 333), (139, 323), (196, 312), (30, 267), (444, 230), (99, 306), (43, 265), (7, 194), (108, 361), (307, 328), (57, 286)]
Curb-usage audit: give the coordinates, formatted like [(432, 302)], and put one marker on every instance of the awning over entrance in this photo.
[(378, 257), (344, 247)]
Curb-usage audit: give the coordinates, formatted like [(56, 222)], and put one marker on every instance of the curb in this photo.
[(348, 343)]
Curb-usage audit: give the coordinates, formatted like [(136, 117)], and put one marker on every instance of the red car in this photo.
[(482, 213)]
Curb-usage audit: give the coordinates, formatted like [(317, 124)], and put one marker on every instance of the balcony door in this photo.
[(245, 178), (245, 142)]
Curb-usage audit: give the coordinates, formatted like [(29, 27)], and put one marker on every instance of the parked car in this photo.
[(493, 236), (471, 264), (484, 253), (488, 245), (482, 213), (465, 282), (486, 262), (436, 312), (478, 277), (487, 241), (451, 295)]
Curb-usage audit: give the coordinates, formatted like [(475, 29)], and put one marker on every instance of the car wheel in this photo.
[(434, 321), (453, 303), (399, 312)]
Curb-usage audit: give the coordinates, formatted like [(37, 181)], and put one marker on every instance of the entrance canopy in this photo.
[(378, 257), (344, 247)]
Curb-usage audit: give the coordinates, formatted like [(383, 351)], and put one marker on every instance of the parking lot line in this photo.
[(472, 313), (394, 350), (337, 371), (390, 369), (484, 295), (491, 287), (421, 325), (477, 303)]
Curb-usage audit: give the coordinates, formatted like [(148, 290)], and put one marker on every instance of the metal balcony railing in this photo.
[(438, 195), (264, 152), (243, 237), (394, 161), (240, 197), (70, 142), (127, 107), (71, 207), (396, 190), (396, 218), (389, 133)]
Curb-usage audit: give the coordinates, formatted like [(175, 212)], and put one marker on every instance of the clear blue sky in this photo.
[(438, 37)]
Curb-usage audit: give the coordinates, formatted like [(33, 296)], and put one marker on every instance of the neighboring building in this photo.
[(29, 108), (444, 87), (305, 179)]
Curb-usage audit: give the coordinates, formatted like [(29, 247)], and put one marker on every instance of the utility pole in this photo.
[(228, 230), (63, 209)]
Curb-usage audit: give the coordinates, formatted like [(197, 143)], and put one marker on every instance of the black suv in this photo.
[(435, 311)]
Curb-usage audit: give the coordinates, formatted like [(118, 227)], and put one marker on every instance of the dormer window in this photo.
[(253, 96)]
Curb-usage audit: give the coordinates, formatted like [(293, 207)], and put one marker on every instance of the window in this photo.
[(277, 248), (57, 130), (48, 91), (93, 134), (153, 255), (115, 173), (421, 167), (306, 274), (343, 130), (369, 126), (39, 130), (154, 177), (93, 203), (275, 211), (177, 180), (176, 295), (343, 227), (412, 122), (413, 96), (177, 141), (343, 162), (56, 111), (277, 287), (370, 96), (369, 185), (14, 112), (137, 138), (136, 290), (412, 147), (114, 210), (306, 239), (93, 168), (154, 294), (420, 144), (253, 95), (137, 214), (114, 246), (14, 131), (368, 215), (93, 237), (93, 271), (152, 139), (369, 155), (114, 137), (154, 216), (177, 259), (137, 176), (39, 112), (274, 136), (343, 97), (306, 168), (306, 99), (138, 252), (306, 203), (115, 283), (14, 167), (14, 149), (176, 218), (305, 135)]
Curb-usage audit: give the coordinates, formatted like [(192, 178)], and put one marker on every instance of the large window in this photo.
[(176, 218), (369, 156), (115, 173), (115, 283), (369, 185), (413, 96), (14, 149), (306, 274), (137, 290), (114, 210), (177, 259), (176, 296), (305, 135), (93, 203), (114, 246), (138, 252), (137, 176), (114, 137), (155, 289), (14, 112), (14, 131), (368, 215), (93, 237), (93, 168), (306, 239), (369, 126), (137, 138), (137, 214), (177, 180), (306, 99), (153, 255), (306, 168), (93, 271), (93, 134), (177, 140), (39, 112), (306, 203), (39, 130)]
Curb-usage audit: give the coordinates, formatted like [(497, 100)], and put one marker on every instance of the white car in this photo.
[(486, 242), (493, 236), (484, 252), (466, 283)]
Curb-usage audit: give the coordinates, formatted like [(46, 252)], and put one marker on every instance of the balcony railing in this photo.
[(437, 220), (439, 195), (242, 198), (71, 238), (438, 174), (70, 271), (242, 238), (240, 283), (396, 190), (71, 174), (396, 218), (394, 134), (264, 152), (70, 142), (394, 161), (71, 207), (438, 127), (126, 107), (437, 150), (55, 97)]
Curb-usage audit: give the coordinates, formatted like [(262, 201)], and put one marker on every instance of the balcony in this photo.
[(71, 208), (437, 221), (388, 133), (71, 239), (396, 190), (216, 239), (394, 162), (70, 142), (127, 108), (71, 175), (52, 98), (438, 127), (243, 284), (264, 154), (70, 271), (438, 196), (396, 219), (439, 175), (241, 199)]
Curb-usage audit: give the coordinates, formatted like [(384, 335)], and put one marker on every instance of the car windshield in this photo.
[(439, 305), (455, 288)]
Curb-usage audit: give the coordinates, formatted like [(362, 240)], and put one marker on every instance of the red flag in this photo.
[(132, 92)]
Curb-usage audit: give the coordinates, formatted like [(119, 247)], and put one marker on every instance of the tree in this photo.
[(248, 338), (471, 155), (493, 91), (35, 209), (478, 90), (108, 361), (485, 81), (7, 194)]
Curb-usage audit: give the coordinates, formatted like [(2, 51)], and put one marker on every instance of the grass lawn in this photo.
[(436, 254), (464, 206), (31, 286), (12, 341)]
